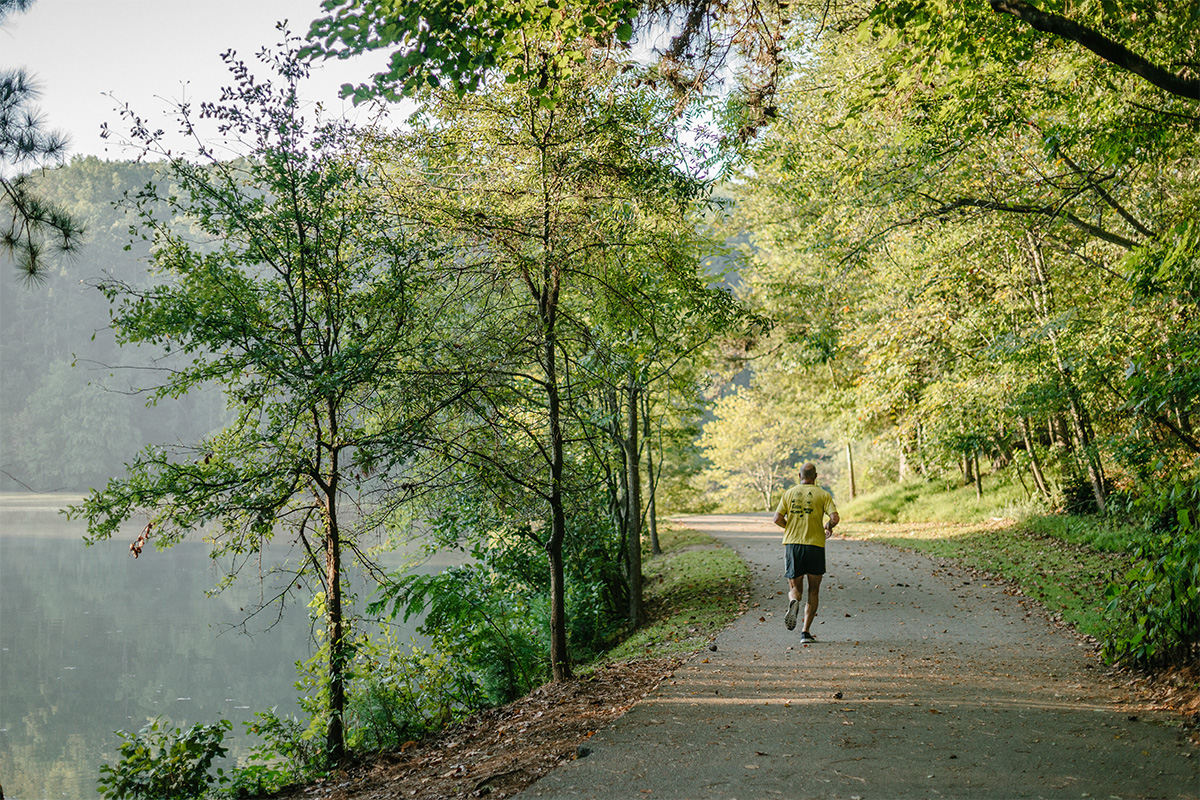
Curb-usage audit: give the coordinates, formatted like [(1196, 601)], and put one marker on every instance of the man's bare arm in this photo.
[(780, 520)]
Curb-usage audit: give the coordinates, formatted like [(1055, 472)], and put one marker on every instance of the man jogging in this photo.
[(801, 513)]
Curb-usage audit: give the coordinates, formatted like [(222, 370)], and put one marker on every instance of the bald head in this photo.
[(808, 472)]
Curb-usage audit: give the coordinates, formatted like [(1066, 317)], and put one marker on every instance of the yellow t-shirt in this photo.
[(804, 507)]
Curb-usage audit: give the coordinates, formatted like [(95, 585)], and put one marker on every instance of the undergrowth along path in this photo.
[(927, 681)]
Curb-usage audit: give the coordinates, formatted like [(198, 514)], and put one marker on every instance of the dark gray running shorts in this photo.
[(803, 559)]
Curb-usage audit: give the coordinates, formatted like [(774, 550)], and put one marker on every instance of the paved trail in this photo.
[(926, 682)]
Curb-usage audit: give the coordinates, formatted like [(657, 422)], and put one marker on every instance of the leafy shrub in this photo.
[(397, 695), (1155, 611), (160, 762), (1078, 496), (290, 752), (474, 612), (597, 594), (591, 625), (257, 780)]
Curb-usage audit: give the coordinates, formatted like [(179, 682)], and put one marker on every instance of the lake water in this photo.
[(92, 641)]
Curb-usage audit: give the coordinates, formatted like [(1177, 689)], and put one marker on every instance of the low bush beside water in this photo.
[(160, 761)]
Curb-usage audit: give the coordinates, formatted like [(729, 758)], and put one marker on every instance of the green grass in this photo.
[(692, 591), (942, 501), (1068, 578), (1093, 532)]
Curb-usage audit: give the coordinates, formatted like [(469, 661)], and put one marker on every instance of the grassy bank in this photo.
[(942, 501), (693, 589)]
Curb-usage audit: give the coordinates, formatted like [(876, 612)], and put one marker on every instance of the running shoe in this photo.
[(793, 611)]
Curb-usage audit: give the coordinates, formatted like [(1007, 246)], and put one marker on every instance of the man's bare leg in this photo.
[(795, 590), (810, 608)]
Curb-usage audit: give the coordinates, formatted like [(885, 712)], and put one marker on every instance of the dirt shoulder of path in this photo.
[(498, 752)]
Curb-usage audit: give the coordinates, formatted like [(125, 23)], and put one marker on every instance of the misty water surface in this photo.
[(92, 640)]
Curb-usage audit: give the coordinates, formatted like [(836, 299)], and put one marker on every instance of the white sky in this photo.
[(148, 53)]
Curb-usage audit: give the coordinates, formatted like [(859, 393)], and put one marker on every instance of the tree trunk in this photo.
[(1087, 446), (335, 736), (978, 476), (339, 651), (850, 470), (1060, 432), (651, 476), (968, 473), (618, 505), (634, 498), (922, 466), (547, 305), (560, 660), (1035, 465)]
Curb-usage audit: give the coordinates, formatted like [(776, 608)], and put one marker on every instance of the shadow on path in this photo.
[(926, 682)]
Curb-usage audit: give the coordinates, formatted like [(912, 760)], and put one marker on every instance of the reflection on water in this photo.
[(92, 640)]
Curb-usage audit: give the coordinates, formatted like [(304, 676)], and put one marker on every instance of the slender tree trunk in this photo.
[(1060, 432), (1087, 446), (978, 476), (560, 660), (921, 464), (547, 303), (335, 735), (850, 470), (1004, 455), (618, 506), (1035, 464), (968, 473), (339, 651), (634, 496), (651, 476)]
